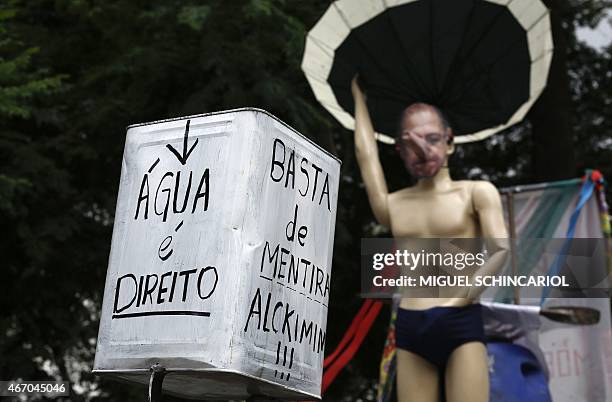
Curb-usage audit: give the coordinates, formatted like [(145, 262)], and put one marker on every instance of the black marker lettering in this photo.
[(165, 190), (204, 181), (265, 322), (291, 170), (275, 162), (140, 283), (117, 291), (255, 310), (276, 307), (143, 197), (186, 283), (317, 171), (325, 192), (149, 291), (172, 288), (213, 270), (176, 191), (307, 178), (162, 289), (284, 252)]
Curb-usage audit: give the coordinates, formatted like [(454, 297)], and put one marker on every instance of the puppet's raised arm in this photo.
[(367, 157)]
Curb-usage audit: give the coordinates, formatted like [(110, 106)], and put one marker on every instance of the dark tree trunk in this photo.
[(550, 117)]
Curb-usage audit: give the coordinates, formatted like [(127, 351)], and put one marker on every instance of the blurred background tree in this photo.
[(75, 73)]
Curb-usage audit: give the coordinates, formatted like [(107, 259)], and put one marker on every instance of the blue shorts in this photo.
[(434, 333)]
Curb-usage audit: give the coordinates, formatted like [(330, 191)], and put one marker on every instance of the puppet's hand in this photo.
[(356, 90)]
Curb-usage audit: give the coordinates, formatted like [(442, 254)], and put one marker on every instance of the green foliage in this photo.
[(19, 81), (193, 16), (590, 72), (20, 85)]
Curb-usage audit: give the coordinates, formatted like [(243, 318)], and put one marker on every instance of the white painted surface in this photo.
[(228, 348)]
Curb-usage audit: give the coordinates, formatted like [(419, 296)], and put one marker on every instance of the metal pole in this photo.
[(158, 372), (539, 186), (512, 227)]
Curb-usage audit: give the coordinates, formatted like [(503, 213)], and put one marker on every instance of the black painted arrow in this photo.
[(185, 155)]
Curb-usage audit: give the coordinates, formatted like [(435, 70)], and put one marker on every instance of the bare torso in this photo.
[(446, 211), (436, 207)]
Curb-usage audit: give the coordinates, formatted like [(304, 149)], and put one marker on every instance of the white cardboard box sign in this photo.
[(221, 258)]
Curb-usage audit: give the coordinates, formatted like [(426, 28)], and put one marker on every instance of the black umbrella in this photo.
[(482, 62)]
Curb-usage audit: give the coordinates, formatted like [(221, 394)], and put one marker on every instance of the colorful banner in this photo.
[(578, 358)]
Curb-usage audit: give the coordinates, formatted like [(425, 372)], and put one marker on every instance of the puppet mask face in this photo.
[(424, 142)]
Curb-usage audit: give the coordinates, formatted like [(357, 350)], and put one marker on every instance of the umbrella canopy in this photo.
[(482, 62)]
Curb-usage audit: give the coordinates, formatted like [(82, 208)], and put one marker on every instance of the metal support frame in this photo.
[(513, 257), (158, 372)]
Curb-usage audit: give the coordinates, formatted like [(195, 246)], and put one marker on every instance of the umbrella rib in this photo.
[(492, 24), (456, 60), (431, 45), (352, 30), (376, 63), (389, 91), (471, 79), (484, 34), (536, 21), (342, 16), (414, 78)]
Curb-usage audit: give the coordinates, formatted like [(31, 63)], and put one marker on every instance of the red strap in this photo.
[(349, 332), (364, 327)]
